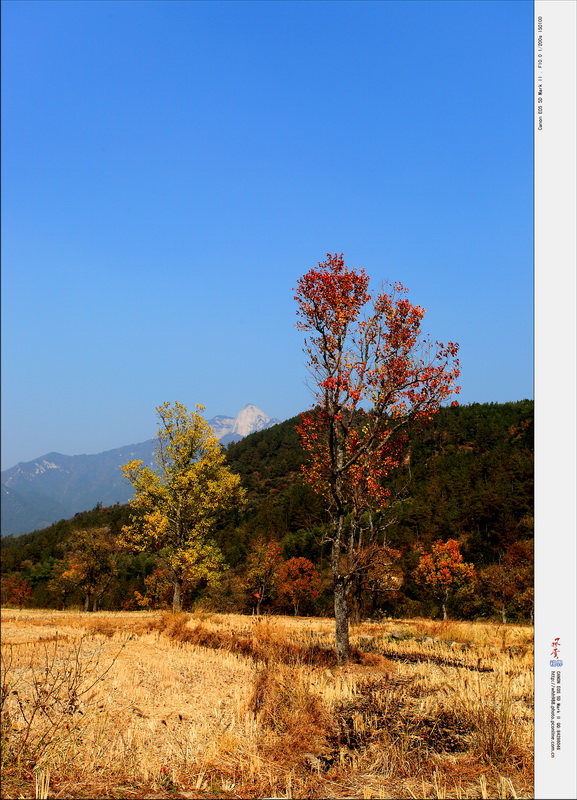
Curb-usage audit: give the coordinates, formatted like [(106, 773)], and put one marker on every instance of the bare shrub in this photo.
[(45, 697)]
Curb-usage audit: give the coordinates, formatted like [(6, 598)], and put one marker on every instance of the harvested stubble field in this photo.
[(155, 705)]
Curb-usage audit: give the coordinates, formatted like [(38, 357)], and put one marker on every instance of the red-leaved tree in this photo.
[(298, 581), (15, 591), (376, 378), (443, 571)]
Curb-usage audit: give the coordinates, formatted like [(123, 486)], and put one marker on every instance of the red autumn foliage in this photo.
[(443, 570), (15, 591)]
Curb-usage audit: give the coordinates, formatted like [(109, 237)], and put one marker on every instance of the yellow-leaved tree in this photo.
[(178, 506)]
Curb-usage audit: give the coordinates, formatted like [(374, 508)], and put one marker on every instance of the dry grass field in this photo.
[(151, 705)]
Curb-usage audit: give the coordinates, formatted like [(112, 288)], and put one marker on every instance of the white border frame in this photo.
[(555, 204)]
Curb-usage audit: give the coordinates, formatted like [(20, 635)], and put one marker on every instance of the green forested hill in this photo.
[(268, 459), (469, 477), (470, 474)]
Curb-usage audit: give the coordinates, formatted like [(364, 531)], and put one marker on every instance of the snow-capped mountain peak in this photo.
[(249, 420)]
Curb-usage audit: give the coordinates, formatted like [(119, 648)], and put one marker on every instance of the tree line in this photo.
[(469, 478)]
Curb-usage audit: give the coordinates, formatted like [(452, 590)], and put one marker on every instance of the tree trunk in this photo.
[(445, 605), (177, 595), (87, 602), (355, 601), (340, 592), (503, 615), (95, 603), (341, 620)]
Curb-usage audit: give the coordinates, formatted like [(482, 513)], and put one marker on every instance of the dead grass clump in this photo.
[(172, 625), (264, 644), (495, 737), (371, 660), (101, 627), (283, 702)]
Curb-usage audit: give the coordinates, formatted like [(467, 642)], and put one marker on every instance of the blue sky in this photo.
[(170, 169)]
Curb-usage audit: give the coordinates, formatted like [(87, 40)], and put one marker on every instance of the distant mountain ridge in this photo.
[(56, 486)]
